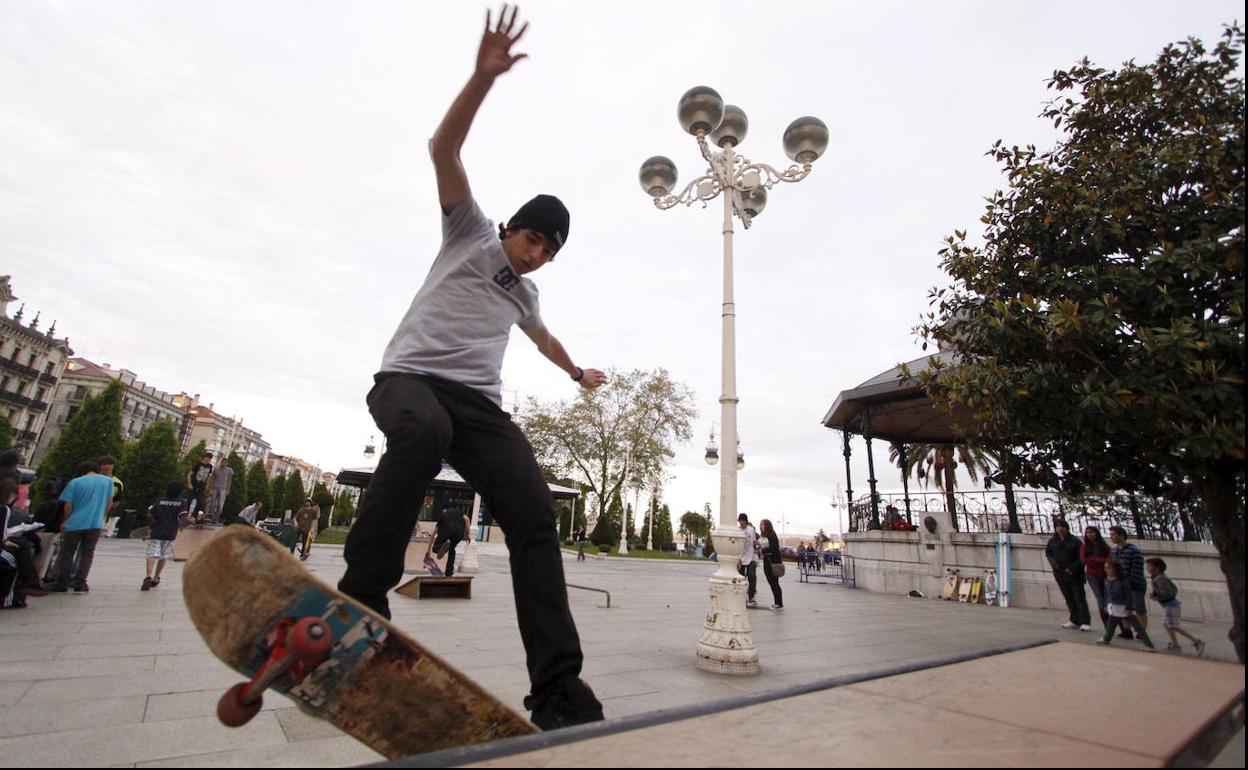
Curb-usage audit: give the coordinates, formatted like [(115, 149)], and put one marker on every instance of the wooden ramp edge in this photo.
[(1023, 705)]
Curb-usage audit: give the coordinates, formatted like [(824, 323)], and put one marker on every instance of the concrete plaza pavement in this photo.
[(119, 677)]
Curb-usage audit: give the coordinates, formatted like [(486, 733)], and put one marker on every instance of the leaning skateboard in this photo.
[(266, 617)]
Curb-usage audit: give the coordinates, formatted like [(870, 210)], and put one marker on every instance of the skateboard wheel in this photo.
[(310, 640), (232, 711)]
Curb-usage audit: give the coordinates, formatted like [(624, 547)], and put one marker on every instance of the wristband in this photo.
[(580, 374)]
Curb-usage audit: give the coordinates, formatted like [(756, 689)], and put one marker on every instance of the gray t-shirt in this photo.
[(221, 477), (458, 325)]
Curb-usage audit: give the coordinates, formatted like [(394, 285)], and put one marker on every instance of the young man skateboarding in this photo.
[(438, 396)]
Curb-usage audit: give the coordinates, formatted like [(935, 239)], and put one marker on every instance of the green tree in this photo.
[(277, 490), (322, 497), (939, 463), (293, 493), (344, 509), (94, 431), (258, 488), (6, 432), (236, 500), (604, 437), (607, 530), (1099, 327), (149, 465), (694, 525)]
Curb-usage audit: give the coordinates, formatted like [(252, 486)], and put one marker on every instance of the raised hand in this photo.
[(495, 57)]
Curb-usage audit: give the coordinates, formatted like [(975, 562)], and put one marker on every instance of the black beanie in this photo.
[(545, 214)]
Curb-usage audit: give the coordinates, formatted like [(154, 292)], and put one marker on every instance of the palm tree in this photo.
[(939, 463)]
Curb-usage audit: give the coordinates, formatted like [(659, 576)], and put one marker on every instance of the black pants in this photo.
[(751, 575), (773, 581), (76, 546), (1076, 601), (426, 419), (453, 539)]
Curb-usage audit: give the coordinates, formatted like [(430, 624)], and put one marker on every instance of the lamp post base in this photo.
[(726, 646)]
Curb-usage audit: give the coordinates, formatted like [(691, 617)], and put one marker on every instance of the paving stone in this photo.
[(334, 752), (81, 715)]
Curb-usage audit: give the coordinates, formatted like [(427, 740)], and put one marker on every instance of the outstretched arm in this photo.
[(554, 351), (494, 57)]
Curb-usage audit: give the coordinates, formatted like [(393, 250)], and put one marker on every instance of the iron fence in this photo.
[(986, 511)]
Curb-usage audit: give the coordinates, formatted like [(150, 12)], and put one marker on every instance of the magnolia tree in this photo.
[(1098, 326)]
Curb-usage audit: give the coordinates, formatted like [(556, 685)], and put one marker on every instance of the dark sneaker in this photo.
[(147, 584), (155, 582), (571, 702), (82, 589)]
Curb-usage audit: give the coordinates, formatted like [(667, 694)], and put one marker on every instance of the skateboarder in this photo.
[(447, 533), (438, 396), (305, 521), (197, 479)]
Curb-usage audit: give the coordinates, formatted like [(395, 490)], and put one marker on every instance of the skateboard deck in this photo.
[(266, 617), (951, 587), (964, 590), (977, 586), (432, 565), (990, 587), (306, 550)]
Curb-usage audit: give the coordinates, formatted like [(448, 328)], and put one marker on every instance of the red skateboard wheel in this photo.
[(232, 711), (310, 640)]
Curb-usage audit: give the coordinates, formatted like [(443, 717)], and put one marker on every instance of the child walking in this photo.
[(1166, 593), (165, 513), (1118, 603)]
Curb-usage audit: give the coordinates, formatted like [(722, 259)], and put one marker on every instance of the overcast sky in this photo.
[(234, 199)]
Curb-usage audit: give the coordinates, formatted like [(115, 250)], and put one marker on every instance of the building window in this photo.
[(80, 392), (31, 361), (41, 393), (69, 415), (30, 422), (4, 384), (48, 369), (16, 352)]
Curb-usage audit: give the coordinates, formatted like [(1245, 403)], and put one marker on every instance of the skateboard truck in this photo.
[(295, 648)]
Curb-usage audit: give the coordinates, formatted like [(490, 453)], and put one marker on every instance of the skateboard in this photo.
[(964, 590), (990, 587), (266, 617), (432, 566), (977, 586), (951, 587), (306, 550)]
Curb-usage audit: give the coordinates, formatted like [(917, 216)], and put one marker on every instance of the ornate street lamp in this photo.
[(369, 450), (726, 645)]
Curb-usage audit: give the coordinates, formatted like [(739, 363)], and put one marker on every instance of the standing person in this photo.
[(221, 480), (1166, 593), (1119, 599), (86, 499), (51, 513), (580, 544), (1131, 560), (197, 479), (748, 565), (438, 396), (447, 532), (771, 560), (305, 522), (1094, 554), (165, 514), (1063, 553)]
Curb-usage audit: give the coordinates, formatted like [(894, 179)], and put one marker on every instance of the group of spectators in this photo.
[(1122, 582)]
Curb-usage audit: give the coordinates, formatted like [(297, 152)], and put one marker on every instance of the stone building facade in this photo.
[(32, 362)]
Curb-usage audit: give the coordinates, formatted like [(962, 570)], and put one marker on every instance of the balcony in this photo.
[(11, 365), (48, 379), (13, 398)]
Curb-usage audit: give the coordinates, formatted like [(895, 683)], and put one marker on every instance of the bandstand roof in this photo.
[(897, 407)]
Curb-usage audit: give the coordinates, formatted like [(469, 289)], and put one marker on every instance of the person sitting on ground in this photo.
[(252, 512), (12, 595), (1166, 593), (166, 513)]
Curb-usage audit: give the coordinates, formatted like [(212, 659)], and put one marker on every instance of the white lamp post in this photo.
[(726, 645)]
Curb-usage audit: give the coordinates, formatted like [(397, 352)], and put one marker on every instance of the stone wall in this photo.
[(900, 562)]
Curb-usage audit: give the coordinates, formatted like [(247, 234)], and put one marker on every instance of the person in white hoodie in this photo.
[(749, 564)]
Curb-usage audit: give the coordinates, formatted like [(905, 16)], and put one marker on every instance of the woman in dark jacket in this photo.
[(1094, 553), (771, 555)]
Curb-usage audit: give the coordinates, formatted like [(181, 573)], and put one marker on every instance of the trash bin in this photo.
[(125, 522)]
